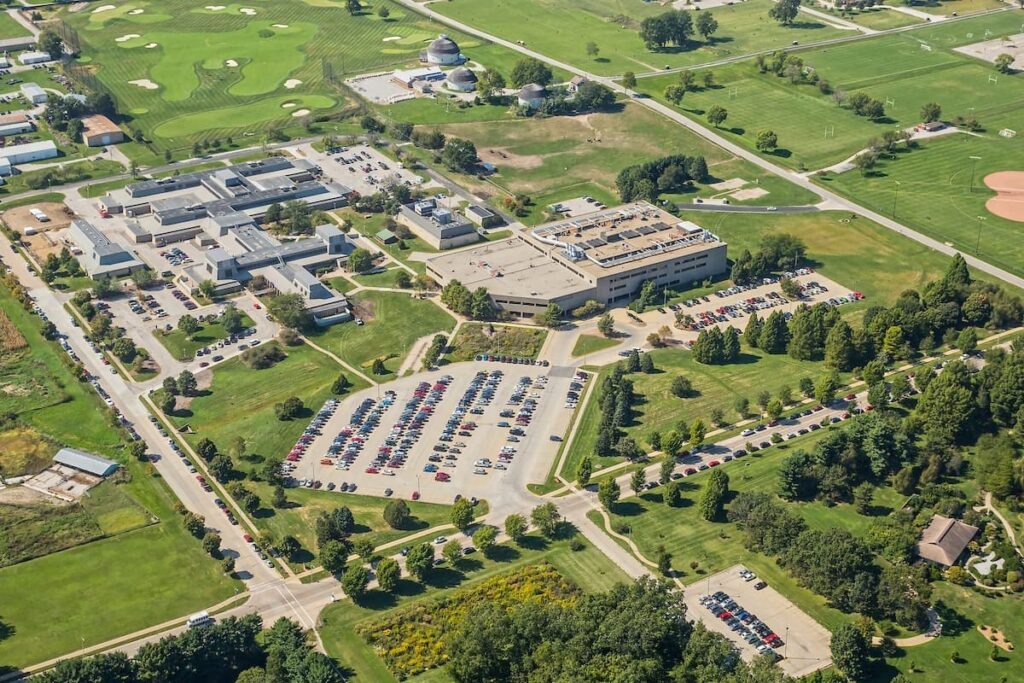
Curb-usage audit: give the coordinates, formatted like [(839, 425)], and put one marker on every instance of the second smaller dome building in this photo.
[(461, 79)]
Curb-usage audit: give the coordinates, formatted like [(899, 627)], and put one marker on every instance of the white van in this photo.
[(199, 619)]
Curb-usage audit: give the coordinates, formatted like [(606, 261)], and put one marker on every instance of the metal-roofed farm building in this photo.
[(438, 226), (461, 79), (24, 154), (100, 131), (85, 462), (101, 256), (603, 256), (443, 51), (532, 95), (34, 93)]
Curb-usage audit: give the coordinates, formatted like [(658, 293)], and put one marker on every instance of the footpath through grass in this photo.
[(588, 568)]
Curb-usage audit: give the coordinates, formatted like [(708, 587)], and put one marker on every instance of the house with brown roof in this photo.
[(944, 540)]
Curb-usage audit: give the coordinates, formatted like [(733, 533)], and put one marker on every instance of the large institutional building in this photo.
[(604, 256)]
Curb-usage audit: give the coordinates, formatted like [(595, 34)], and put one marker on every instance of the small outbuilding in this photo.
[(944, 540), (100, 131), (33, 93), (461, 79), (532, 95), (85, 462), (34, 57), (386, 237)]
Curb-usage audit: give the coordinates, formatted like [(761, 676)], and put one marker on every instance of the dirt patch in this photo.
[(40, 244), (24, 451), (203, 381), (730, 184), (22, 497), (1009, 200), (502, 156), (11, 338), (989, 50), (996, 637), (749, 193), (363, 309)]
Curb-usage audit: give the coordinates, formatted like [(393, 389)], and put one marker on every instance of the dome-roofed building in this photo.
[(532, 95), (443, 50), (461, 79)]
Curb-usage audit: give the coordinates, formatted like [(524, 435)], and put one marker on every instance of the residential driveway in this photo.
[(806, 647)]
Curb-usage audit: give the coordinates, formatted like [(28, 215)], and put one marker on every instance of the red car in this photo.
[(850, 397), (725, 615), (371, 470), (415, 495), (713, 463), (257, 306), (441, 476), (247, 537)]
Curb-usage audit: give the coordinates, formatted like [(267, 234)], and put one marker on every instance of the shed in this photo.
[(86, 462), (386, 237)]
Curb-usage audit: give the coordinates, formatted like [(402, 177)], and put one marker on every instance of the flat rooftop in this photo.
[(510, 267), (626, 237)]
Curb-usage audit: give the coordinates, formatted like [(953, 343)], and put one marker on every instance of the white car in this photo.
[(440, 539), (479, 470), (500, 466)]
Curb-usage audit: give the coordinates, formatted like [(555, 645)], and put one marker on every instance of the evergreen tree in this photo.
[(752, 333), (774, 334), (840, 353)]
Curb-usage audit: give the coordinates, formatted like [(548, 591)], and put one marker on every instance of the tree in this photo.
[(547, 519), (388, 573), (606, 325), (629, 80), (462, 514), (279, 500), (742, 407), (51, 43), (840, 352), (383, 12), (930, 112), (288, 409), (697, 432), (341, 384), (636, 482), (354, 581), (289, 310), (403, 280), (484, 538), (584, 471), (334, 556), (206, 449), (767, 141), (673, 496), (706, 25), (551, 316), (1004, 63), (189, 325), (608, 493), (863, 496), (360, 260), (668, 465), (716, 114), (592, 49), (850, 652), (712, 500), (967, 340), (221, 468), (419, 561), (785, 11), (353, 7), (452, 551), (826, 388), (674, 94), (397, 514), (187, 384), (211, 543), (664, 561), (530, 70), (774, 409), (515, 527)]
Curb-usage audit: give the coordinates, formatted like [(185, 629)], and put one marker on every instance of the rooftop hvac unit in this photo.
[(574, 253)]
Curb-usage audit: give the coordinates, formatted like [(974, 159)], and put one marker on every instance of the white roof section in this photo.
[(87, 462)]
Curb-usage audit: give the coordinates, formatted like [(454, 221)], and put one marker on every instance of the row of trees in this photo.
[(714, 347), (676, 27), (615, 400), (235, 649), (476, 304), (778, 252), (667, 174)]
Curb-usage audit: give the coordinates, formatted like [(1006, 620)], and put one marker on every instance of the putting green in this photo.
[(270, 55), (251, 114)]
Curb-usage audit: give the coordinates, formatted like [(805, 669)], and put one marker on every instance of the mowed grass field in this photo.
[(587, 568), (201, 74), (814, 132), (880, 18), (559, 158), (9, 28), (393, 322), (562, 29)]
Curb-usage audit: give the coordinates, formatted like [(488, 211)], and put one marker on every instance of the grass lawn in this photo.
[(220, 73), (880, 18), (341, 284), (92, 593), (963, 610), (100, 189), (385, 278), (657, 409), (961, 7), (72, 173), (592, 343), (240, 401), (183, 348), (588, 568), (562, 29), (374, 224), (564, 157), (306, 504), (935, 194), (43, 393), (393, 322), (474, 339), (9, 28)]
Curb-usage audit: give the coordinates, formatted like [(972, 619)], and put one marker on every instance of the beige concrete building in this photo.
[(605, 255)]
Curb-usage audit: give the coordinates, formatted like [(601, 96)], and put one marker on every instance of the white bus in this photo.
[(199, 619)]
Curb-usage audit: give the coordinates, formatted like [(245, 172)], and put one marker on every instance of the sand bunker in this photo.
[(300, 112), (230, 63), (215, 8), (388, 39), (103, 8), (292, 83), (126, 37), (136, 11), (280, 25), (1009, 200), (288, 105), (150, 46), (248, 10), (144, 83)]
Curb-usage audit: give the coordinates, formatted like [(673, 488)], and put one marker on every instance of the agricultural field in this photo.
[(392, 323), (183, 72), (588, 569), (561, 30), (564, 157), (814, 132), (474, 339), (240, 401)]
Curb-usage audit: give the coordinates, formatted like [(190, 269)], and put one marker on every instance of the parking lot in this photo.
[(360, 167), (472, 429), (757, 618)]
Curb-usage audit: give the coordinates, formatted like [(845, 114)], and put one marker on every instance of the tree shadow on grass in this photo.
[(628, 508), (781, 152), (504, 553), (953, 623), (302, 556), (468, 565), (444, 577), (535, 543)]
